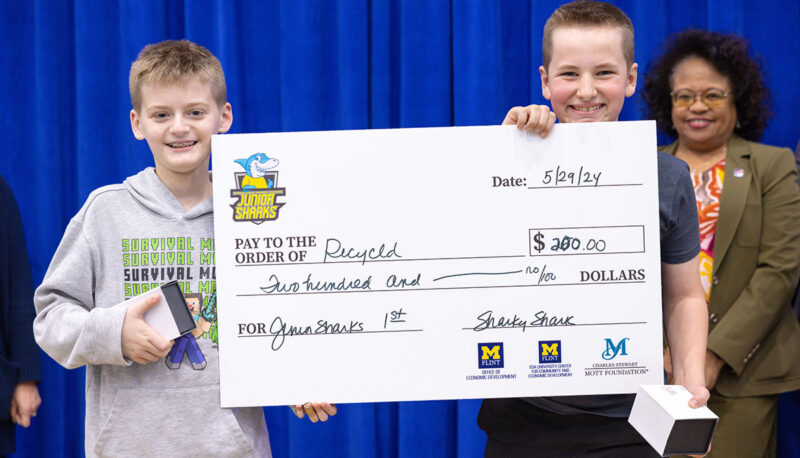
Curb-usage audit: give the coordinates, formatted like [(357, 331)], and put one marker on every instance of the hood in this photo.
[(149, 191)]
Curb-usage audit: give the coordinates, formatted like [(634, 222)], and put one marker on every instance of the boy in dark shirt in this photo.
[(588, 72)]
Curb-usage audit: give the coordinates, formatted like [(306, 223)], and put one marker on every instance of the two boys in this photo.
[(178, 94), (587, 72)]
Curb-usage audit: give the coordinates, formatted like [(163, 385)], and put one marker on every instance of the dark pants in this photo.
[(516, 429)]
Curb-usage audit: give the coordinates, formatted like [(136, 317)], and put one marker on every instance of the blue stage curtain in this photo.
[(305, 65)]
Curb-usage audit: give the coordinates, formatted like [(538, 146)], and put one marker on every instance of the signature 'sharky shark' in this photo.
[(256, 167)]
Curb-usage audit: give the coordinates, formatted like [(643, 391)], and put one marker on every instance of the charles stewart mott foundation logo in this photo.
[(256, 190), (490, 355), (549, 351)]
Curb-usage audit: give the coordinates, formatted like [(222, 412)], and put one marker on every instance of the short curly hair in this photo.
[(728, 54)]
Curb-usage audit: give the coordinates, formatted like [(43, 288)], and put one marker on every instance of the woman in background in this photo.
[(706, 91)]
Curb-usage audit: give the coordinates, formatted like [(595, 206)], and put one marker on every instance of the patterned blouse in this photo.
[(707, 190)]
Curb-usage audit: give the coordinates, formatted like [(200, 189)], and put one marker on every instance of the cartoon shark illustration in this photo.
[(256, 167)]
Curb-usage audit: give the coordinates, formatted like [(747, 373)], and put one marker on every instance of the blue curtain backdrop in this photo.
[(306, 65)]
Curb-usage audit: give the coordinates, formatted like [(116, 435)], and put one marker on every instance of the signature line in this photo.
[(477, 273)]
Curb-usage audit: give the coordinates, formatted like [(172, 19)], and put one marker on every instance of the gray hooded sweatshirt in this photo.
[(127, 239)]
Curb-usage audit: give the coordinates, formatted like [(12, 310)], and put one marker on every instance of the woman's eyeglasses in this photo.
[(712, 98)]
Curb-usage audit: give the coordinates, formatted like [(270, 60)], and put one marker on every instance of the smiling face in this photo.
[(699, 127), (587, 79), (178, 120)]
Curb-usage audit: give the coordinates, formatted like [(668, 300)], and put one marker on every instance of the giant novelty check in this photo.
[(438, 263)]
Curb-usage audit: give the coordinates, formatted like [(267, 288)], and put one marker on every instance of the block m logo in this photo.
[(490, 355), (549, 351), (490, 352)]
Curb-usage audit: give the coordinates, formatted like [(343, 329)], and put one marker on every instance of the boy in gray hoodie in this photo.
[(129, 238)]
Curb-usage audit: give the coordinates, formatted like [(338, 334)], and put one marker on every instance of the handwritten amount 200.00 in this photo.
[(567, 243)]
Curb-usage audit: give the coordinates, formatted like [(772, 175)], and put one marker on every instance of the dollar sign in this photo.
[(538, 240)]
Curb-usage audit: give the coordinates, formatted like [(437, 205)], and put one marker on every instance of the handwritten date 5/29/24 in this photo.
[(565, 177)]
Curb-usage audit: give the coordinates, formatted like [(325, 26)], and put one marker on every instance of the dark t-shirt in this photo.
[(680, 242)]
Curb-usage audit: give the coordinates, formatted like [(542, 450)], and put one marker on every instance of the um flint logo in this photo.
[(549, 351), (490, 355), (613, 350)]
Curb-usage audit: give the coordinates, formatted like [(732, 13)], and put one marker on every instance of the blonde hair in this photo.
[(588, 13), (172, 62)]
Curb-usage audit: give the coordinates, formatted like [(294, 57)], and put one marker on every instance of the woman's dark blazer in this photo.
[(756, 266)]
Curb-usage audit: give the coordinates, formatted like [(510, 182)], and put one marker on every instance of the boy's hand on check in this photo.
[(315, 410), (536, 119), (140, 342)]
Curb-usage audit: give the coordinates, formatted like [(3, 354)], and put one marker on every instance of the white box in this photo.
[(170, 317), (661, 414)]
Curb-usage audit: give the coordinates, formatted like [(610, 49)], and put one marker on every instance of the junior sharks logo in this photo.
[(256, 190)]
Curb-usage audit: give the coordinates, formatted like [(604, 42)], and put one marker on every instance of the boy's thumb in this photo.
[(146, 304)]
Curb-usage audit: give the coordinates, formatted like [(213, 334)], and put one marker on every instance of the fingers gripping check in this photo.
[(316, 411), (536, 119)]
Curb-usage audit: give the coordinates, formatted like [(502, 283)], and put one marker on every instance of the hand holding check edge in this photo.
[(315, 410), (535, 119)]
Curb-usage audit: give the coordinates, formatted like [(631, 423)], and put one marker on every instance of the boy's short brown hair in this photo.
[(588, 13), (172, 62)]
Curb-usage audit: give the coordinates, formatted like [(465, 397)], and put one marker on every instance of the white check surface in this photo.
[(438, 263)]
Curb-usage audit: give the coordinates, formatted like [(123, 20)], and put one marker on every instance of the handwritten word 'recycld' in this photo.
[(335, 250)]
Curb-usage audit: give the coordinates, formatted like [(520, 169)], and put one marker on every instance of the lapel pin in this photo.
[(738, 173)]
